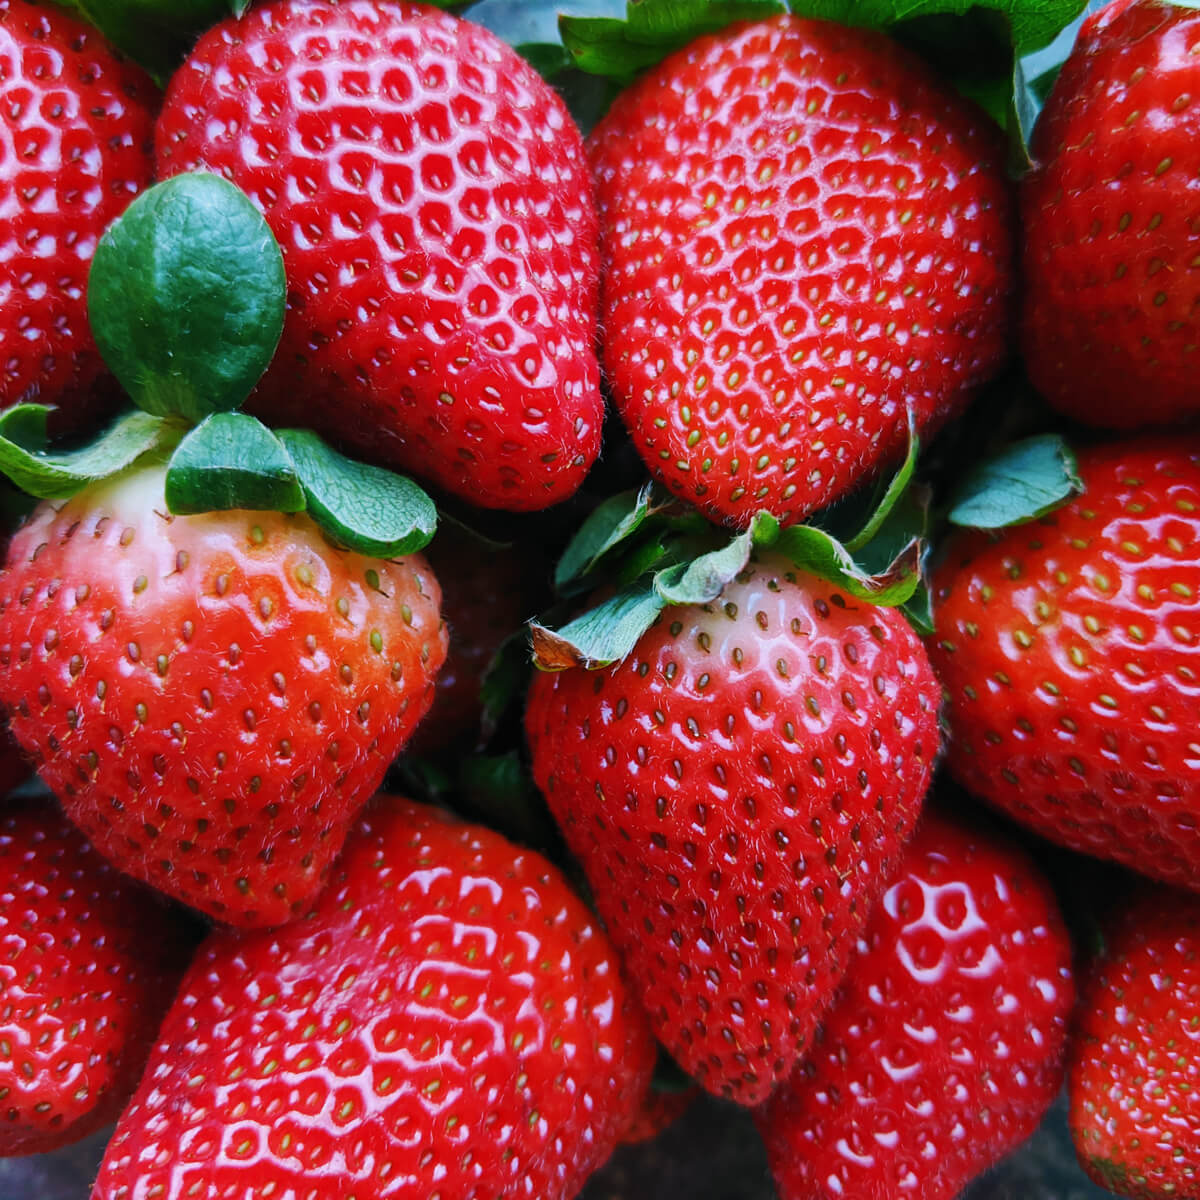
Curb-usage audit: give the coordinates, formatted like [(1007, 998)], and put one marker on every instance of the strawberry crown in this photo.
[(657, 551), (186, 300)]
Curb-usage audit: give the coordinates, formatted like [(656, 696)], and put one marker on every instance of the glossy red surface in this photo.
[(1135, 1065), (1070, 654), (448, 1023), (212, 698), (738, 791), (947, 1044), (76, 126), (805, 236), (430, 194), (1112, 222), (88, 961)]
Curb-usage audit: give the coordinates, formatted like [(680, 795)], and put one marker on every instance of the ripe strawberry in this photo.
[(737, 792), (431, 196), (1112, 230), (947, 1043), (806, 236), (1135, 1075), (212, 698), (447, 1021), (1070, 654), (88, 961), (77, 128)]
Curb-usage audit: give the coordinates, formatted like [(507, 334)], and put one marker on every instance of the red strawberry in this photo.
[(88, 961), (212, 698), (1112, 227), (737, 792), (947, 1043), (1135, 1073), (1070, 654), (77, 129), (431, 196), (447, 1022), (806, 236)]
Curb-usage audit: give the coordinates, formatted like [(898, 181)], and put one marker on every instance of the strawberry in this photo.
[(1134, 1075), (88, 963), (447, 1021), (1070, 653), (805, 237), (1112, 230), (737, 792), (78, 129), (212, 697), (947, 1043), (431, 196)]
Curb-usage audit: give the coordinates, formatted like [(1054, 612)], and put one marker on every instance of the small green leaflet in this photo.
[(610, 524), (231, 460), (155, 33), (56, 476), (648, 30), (1025, 481), (186, 297), (365, 508), (605, 634)]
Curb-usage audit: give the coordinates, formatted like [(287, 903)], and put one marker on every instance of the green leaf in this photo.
[(815, 551), (186, 297), (700, 580), (364, 508), (610, 524), (1025, 481), (918, 608), (618, 47), (155, 33), (51, 476), (602, 636), (532, 28), (504, 680), (231, 460), (499, 791)]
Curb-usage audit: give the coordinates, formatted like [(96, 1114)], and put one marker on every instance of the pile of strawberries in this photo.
[(334, 869)]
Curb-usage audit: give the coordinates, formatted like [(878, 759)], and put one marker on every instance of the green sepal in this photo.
[(499, 791), (231, 460), (610, 524), (620, 46), (504, 681), (1025, 481), (57, 476), (186, 297), (363, 508)]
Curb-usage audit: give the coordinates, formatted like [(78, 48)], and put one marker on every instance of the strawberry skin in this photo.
[(1135, 1074), (448, 1021), (431, 196), (737, 792), (947, 1043), (78, 131), (88, 963), (1112, 224), (805, 236), (212, 698), (1069, 650)]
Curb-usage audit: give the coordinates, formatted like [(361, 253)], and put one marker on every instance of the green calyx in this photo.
[(659, 553), (989, 49), (186, 297)]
